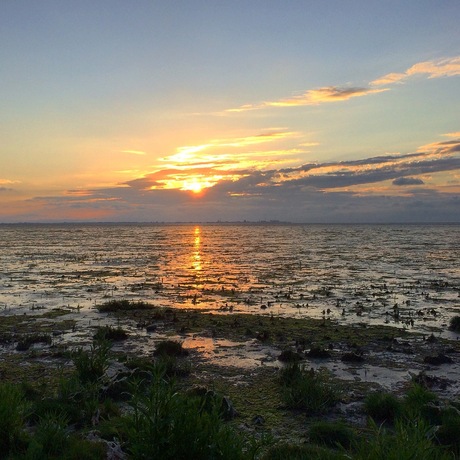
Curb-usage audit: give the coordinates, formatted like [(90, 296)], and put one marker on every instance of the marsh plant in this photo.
[(51, 435), (383, 407), (410, 439), (454, 324), (92, 364), (167, 424), (110, 333), (170, 348), (284, 451), (308, 390), (123, 305), (13, 409), (332, 434)]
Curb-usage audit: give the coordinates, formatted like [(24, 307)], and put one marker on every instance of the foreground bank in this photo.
[(104, 398)]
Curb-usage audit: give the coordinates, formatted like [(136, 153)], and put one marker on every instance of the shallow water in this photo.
[(404, 275)]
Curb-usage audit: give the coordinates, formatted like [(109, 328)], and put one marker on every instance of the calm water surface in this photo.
[(404, 275)]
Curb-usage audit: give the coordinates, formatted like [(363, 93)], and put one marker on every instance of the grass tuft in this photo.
[(91, 365), (308, 390), (454, 324), (110, 333), (332, 434), (170, 348), (383, 407), (123, 305)]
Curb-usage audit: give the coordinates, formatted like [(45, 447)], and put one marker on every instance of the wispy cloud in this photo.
[(133, 152), (314, 97), (5, 185), (321, 95), (403, 181), (448, 67)]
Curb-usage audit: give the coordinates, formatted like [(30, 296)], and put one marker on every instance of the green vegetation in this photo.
[(169, 348), (308, 390), (91, 365), (168, 405), (13, 409), (383, 407), (455, 324), (410, 439), (171, 425), (123, 305), (332, 434), (110, 333)]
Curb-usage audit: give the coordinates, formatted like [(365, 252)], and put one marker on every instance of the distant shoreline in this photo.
[(225, 223)]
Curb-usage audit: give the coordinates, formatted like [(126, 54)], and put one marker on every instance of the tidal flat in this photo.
[(292, 341)]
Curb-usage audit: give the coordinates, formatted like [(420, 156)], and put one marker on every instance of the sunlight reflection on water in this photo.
[(403, 275)]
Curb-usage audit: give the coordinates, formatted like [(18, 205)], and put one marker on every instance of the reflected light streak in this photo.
[(196, 254)]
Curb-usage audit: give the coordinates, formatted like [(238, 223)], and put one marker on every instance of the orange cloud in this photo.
[(314, 97), (326, 94), (433, 69), (134, 152), (197, 167)]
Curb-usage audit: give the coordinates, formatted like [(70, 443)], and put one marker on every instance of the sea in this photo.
[(406, 276)]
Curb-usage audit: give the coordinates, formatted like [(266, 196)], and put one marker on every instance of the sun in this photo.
[(196, 185)]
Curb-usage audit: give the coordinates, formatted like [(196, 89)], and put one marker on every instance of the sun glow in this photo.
[(197, 184)]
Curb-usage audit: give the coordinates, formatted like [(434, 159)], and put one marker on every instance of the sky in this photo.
[(210, 110)]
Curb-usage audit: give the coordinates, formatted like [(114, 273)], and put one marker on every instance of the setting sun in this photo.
[(197, 184)]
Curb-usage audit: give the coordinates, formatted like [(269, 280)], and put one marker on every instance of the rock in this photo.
[(228, 410), (289, 356), (317, 352), (352, 357), (438, 359), (258, 420), (431, 339)]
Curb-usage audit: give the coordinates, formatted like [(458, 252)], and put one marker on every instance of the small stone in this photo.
[(352, 358), (258, 420), (289, 356)]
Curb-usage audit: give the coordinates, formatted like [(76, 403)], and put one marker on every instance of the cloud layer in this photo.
[(414, 187)]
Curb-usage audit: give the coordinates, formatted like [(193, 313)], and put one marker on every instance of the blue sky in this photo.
[(307, 111)]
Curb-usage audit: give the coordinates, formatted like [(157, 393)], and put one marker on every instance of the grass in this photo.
[(123, 305), (147, 408), (13, 408), (172, 425), (91, 365), (454, 324), (284, 451), (383, 407), (170, 348), (411, 439), (28, 340), (332, 434), (110, 333), (308, 390)]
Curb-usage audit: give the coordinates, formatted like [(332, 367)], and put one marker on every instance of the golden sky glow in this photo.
[(221, 111), (196, 168)]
